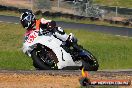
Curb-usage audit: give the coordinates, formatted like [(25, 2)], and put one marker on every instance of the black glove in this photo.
[(43, 26)]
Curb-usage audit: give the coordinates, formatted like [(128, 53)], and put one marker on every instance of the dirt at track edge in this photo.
[(53, 79)]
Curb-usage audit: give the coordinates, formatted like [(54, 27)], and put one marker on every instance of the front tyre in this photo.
[(90, 63)]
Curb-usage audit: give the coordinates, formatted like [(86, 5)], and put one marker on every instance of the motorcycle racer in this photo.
[(51, 48), (30, 23)]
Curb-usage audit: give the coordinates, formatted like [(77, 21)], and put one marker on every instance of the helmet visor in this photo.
[(25, 23), (28, 18)]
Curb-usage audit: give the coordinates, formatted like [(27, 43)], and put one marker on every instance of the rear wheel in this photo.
[(44, 61)]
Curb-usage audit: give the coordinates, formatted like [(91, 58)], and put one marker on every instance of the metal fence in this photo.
[(76, 7), (80, 7), (53, 6), (117, 11)]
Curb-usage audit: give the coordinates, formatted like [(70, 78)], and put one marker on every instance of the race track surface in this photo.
[(56, 79), (122, 31)]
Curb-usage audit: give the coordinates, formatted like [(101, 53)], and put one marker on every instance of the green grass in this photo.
[(11, 56), (120, 3), (112, 52)]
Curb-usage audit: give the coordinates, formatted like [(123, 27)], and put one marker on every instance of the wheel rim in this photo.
[(49, 60)]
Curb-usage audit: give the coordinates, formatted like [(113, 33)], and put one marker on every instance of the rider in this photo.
[(30, 23)]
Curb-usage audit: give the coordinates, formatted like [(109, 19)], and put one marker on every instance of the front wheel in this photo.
[(90, 63)]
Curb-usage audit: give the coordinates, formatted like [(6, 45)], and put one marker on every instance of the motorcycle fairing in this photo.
[(54, 44)]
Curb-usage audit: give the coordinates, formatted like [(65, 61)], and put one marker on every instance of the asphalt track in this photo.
[(120, 31)]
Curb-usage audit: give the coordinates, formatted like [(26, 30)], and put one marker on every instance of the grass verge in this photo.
[(112, 52), (11, 56), (10, 13)]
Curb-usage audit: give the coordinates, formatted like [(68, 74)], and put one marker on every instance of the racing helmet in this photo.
[(27, 19)]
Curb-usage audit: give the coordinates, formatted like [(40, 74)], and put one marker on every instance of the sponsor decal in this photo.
[(31, 37)]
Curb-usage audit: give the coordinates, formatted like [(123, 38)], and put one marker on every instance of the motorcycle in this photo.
[(49, 53)]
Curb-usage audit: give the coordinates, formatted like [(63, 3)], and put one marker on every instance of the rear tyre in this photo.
[(39, 62)]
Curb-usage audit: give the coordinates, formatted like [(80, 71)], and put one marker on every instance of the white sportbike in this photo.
[(48, 52)]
